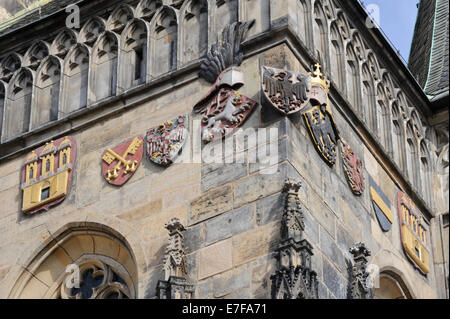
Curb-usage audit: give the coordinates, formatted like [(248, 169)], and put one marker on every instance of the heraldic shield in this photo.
[(413, 232), (46, 175), (121, 162), (286, 91), (319, 119), (223, 108), (165, 142), (353, 168)]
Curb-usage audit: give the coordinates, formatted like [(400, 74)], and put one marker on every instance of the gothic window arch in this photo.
[(425, 171), (373, 66), (35, 54), (343, 26), (383, 129), (225, 13), (63, 42), (368, 99), (258, 10), (91, 30), (391, 286), (18, 103), (352, 76), (2, 104), (358, 46), (320, 31), (104, 66), (417, 125), (398, 140), (119, 18), (194, 22), (337, 59), (90, 261), (164, 41), (303, 22), (47, 88), (146, 9), (9, 65), (388, 86), (133, 54), (75, 79), (412, 167)]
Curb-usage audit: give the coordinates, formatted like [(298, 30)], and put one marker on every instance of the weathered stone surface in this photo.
[(231, 281), (214, 259), (214, 175), (230, 224), (254, 243), (211, 204), (193, 238), (262, 184), (332, 251), (334, 281), (322, 213), (204, 289), (270, 209)]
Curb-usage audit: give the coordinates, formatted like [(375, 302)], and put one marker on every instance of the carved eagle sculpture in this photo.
[(283, 92)]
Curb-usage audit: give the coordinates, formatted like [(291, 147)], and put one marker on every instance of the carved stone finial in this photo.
[(294, 277), (359, 288), (227, 52), (174, 225), (293, 223), (175, 285)]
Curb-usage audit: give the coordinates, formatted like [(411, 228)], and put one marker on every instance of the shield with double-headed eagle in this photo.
[(121, 162), (353, 168), (165, 142), (223, 108), (286, 91)]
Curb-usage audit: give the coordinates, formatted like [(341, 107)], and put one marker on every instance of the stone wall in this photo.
[(232, 212)]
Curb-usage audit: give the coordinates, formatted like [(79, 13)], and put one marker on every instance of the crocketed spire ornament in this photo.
[(175, 285), (359, 288), (294, 278)]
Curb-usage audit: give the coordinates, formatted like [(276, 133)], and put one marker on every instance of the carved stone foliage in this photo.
[(319, 118), (175, 284), (359, 288), (121, 162), (98, 280), (227, 52), (287, 91), (47, 173), (353, 168), (165, 142), (223, 108), (294, 277)]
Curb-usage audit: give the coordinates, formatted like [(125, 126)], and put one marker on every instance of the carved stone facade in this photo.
[(175, 285), (359, 286), (294, 278), (216, 162)]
